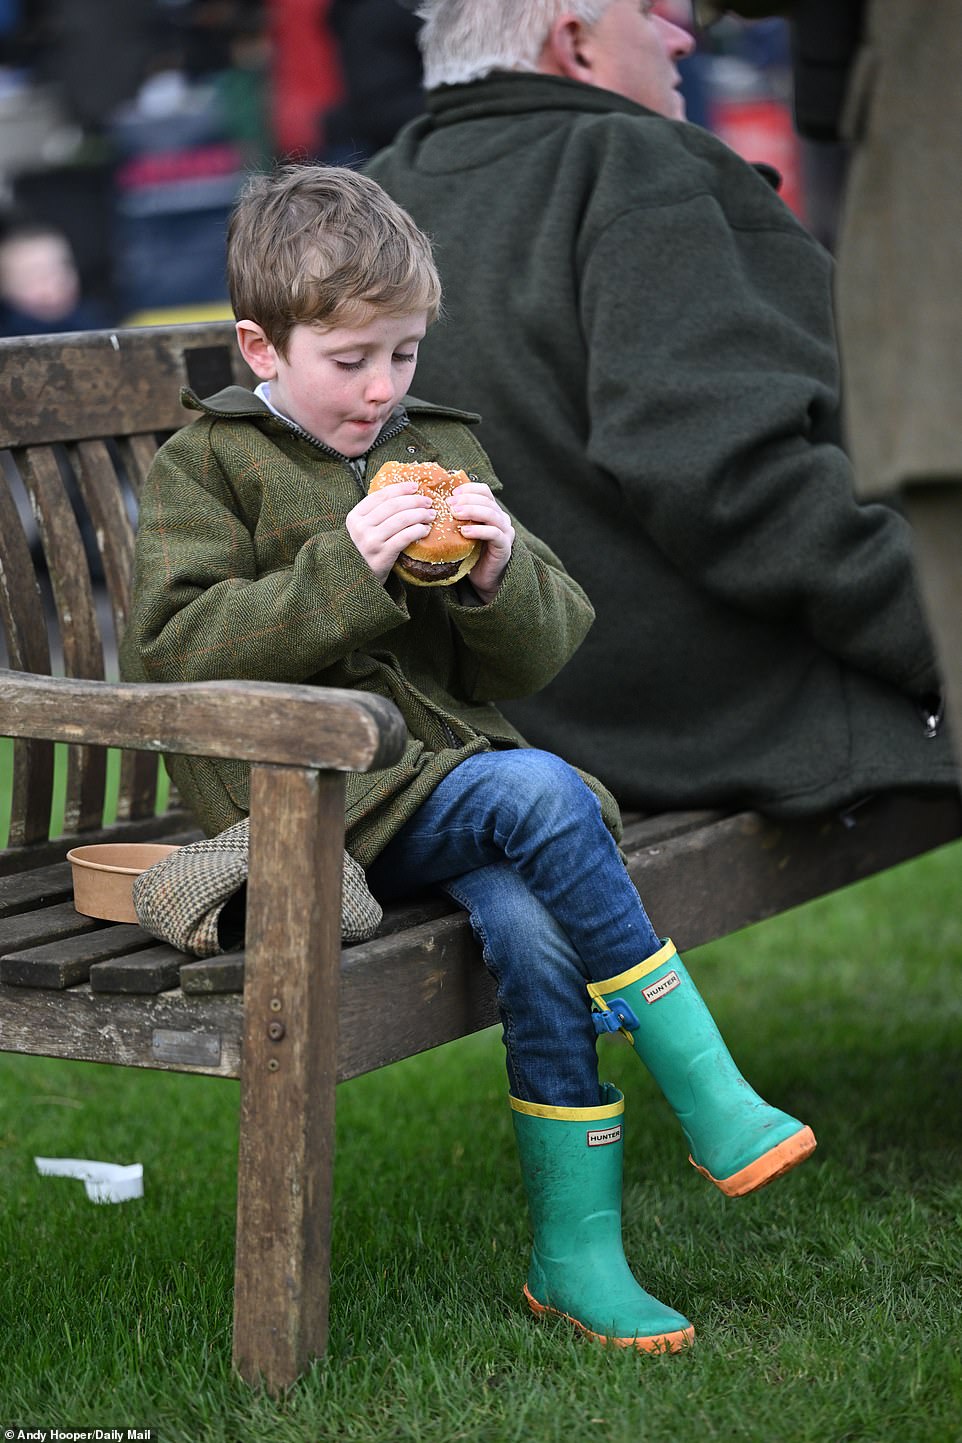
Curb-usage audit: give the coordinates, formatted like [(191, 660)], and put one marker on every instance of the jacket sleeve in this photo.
[(518, 642), (202, 611), (713, 394)]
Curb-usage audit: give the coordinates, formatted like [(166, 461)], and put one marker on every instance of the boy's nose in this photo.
[(379, 386)]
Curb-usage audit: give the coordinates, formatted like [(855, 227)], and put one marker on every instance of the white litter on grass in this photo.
[(105, 1182)]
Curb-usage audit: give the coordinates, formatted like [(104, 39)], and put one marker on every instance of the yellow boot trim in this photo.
[(569, 1114), (615, 984)]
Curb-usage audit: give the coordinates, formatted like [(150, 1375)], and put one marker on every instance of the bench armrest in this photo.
[(253, 721)]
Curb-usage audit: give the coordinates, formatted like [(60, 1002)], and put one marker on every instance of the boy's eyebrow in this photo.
[(346, 343)]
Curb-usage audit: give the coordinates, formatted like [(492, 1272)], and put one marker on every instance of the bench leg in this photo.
[(935, 513), (288, 1074)]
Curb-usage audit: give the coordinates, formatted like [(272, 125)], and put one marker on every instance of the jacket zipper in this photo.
[(399, 425), (389, 435), (933, 711)]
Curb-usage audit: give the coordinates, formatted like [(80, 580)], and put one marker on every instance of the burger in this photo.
[(444, 556)]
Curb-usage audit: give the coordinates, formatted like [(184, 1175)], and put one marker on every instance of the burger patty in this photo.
[(428, 570)]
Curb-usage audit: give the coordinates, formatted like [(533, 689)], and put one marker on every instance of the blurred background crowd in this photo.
[(127, 126)]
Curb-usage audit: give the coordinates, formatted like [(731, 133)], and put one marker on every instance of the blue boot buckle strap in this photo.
[(618, 1018)]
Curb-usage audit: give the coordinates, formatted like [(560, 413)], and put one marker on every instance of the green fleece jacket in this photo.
[(244, 568), (647, 332)]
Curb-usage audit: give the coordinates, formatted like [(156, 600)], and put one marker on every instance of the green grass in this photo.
[(826, 1307)]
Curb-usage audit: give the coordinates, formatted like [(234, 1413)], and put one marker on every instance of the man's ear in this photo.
[(257, 350), (565, 51)]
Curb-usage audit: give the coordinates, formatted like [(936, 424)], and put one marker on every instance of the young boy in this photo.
[(260, 554)]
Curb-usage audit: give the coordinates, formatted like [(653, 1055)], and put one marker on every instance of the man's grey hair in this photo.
[(464, 40)]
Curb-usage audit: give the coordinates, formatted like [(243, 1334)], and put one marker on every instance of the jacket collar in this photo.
[(238, 402), (509, 92)]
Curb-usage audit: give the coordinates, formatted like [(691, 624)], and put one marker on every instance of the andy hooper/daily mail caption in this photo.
[(80, 1435)]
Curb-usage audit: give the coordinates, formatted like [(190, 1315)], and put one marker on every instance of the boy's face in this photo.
[(340, 383)]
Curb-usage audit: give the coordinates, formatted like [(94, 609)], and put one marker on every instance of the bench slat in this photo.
[(213, 974), (660, 827), (137, 453), (66, 962), (168, 1031), (102, 491), (157, 969), (743, 868), (37, 888), (171, 826), (25, 633), (411, 991), (46, 924), (77, 618), (108, 382)]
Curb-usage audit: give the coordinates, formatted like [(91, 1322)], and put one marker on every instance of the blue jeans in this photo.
[(517, 839)]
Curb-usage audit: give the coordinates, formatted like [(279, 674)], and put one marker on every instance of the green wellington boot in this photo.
[(736, 1139), (571, 1167)]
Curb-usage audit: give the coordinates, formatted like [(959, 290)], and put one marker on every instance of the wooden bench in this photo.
[(80, 418)]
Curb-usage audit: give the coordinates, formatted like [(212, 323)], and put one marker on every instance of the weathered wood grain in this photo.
[(79, 628), (286, 1153), (155, 969), (308, 726), (743, 868), (104, 383), (45, 924), (25, 632), (36, 888), (102, 491), (213, 974), (67, 962), (121, 1029), (171, 826)]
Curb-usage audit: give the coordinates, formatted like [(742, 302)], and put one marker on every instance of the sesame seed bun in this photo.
[(444, 548)]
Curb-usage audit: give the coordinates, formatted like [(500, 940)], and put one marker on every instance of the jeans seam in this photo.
[(507, 1017)]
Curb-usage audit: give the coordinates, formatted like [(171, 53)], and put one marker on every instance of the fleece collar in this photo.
[(507, 92)]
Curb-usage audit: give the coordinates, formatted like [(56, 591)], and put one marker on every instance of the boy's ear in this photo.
[(257, 350)]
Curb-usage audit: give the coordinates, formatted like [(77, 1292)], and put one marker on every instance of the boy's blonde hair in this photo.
[(311, 244)]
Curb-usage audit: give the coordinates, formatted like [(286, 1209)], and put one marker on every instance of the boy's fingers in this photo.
[(387, 498), (388, 526), (477, 487), (386, 520), (400, 539)]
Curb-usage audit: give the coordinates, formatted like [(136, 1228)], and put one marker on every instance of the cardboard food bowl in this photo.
[(103, 877)]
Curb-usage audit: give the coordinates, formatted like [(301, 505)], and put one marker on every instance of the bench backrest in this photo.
[(80, 419)]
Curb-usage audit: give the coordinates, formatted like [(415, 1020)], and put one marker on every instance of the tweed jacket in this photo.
[(244, 568), (648, 333)]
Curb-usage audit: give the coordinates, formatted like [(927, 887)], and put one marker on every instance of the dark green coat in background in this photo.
[(648, 334), (244, 569)]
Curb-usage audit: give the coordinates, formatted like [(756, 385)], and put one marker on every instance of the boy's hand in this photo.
[(481, 519), (383, 524)]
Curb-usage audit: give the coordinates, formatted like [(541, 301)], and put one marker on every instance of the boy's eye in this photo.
[(349, 365), (404, 357)]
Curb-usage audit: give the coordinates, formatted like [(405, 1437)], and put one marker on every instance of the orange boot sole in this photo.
[(765, 1169), (658, 1343)]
